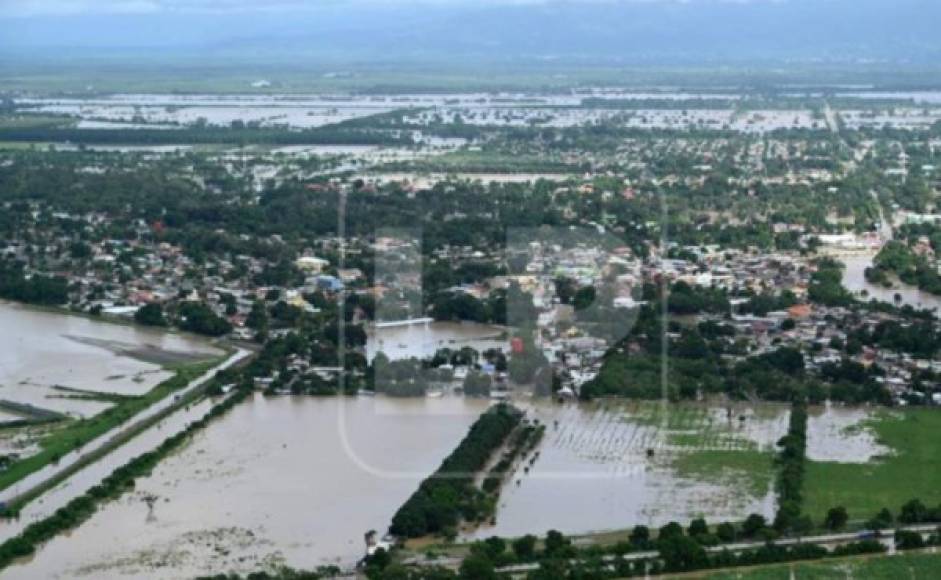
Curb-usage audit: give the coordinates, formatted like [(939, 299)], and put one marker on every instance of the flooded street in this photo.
[(277, 480), (52, 350)]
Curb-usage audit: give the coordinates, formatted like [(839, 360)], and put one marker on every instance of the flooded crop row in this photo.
[(613, 466)]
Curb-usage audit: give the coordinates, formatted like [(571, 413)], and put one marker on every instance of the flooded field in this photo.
[(842, 435), (612, 466), (53, 355), (581, 108), (282, 480), (145, 110), (894, 454), (423, 340)]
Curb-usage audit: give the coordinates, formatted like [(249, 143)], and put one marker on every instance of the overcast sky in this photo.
[(21, 8)]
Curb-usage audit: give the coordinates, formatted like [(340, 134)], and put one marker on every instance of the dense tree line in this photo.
[(204, 135), (791, 460), (449, 495)]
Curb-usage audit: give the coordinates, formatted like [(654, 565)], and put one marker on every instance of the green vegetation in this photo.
[(449, 494), (826, 284), (202, 135), (199, 318), (150, 315), (489, 162), (897, 258), (791, 467), (912, 469), (678, 550), (748, 471), (36, 289), (916, 566)]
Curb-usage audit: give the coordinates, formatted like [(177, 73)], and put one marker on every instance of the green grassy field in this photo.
[(750, 471), (912, 471), (907, 566)]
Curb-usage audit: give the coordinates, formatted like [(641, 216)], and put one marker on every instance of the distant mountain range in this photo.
[(612, 32)]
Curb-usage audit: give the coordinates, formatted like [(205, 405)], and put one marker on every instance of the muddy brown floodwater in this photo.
[(42, 350), (274, 481), (854, 279)]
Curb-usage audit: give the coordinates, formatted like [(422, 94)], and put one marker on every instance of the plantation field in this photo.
[(911, 470), (642, 462)]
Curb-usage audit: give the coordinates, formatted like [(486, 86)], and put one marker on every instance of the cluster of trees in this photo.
[(199, 318), (687, 299), (920, 338), (150, 315), (640, 376), (530, 365), (482, 560), (503, 306), (897, 258), (851, 382), (826, 285), (762, 304), (34, 289), (449, 494)]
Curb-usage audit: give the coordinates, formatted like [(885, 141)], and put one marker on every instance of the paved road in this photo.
[(822, 540)]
